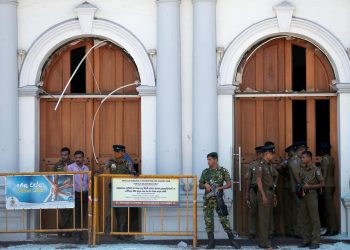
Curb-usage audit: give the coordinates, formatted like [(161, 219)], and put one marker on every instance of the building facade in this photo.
[(211, 74)]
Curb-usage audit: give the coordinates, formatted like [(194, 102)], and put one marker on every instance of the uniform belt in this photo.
[(311, 191)]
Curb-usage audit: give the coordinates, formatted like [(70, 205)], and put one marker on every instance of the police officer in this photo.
[(266, 195), (288, 199), (311, 180), (118, 165), (275, 168), (251, 192), (327, 167), (61, 166), (215, 176), (295, 164)]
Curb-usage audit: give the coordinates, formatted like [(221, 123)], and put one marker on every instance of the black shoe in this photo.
[(232, 241), (264, 247), (305, 245), (78, 237), (314, 246), (211, 241), (251, 236), (330, 233), (274, 245)]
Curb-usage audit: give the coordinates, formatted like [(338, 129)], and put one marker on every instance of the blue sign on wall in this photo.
[(39, 191)]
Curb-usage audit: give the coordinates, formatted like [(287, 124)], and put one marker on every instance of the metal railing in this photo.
[(186, 209), (47, 220), (40, 223)]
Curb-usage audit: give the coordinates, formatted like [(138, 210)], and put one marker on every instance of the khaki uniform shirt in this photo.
[(267, 173), (251, 172), (294, 165), (311, 175), (327, 164)]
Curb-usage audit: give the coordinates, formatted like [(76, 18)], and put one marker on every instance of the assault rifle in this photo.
[(221, 207)]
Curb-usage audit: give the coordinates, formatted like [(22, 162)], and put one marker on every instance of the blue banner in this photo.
[(39, 191)]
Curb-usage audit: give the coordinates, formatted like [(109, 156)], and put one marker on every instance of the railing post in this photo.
[(94, 212), (90, 217), (194, 211)]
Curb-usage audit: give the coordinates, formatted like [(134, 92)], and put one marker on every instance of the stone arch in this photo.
[(69, 30), (300, 28)]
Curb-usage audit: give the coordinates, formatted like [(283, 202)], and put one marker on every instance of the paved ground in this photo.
[(339, 242)]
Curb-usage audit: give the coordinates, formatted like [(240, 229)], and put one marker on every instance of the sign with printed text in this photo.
[(39, 191), (142, 192)]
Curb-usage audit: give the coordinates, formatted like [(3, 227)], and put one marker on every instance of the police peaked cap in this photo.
[(258, 149), (325, 145), (300, 144), (118, 148), (270, 148), (290, 148), (269, 143)]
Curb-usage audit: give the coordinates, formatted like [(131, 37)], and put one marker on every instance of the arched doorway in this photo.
[(106, 68), (285, 96)]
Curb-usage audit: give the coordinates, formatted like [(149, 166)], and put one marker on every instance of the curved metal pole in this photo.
[(75, 71), (98, 109)]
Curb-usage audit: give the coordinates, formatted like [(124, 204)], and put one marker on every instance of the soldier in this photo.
[(311, 180), (251, 193), (327, 167), (295, 165), (214, 177), (118, 165), (61, 166), (266, 195)]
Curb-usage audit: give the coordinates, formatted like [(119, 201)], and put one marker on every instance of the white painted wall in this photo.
[(233, 16), (35, 16), (186, 24), (29, 134)]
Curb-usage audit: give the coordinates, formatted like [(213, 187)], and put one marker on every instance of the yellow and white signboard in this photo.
[(142, 192)]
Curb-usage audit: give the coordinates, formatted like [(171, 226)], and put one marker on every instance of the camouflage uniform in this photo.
[(119, 166), (60, 165), (266, 172), (253, 198), (214, 177), (327, 165), (294, 165), (309, 205), (65, 214)]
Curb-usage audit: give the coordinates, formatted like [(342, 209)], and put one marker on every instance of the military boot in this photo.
[(211, 241), (232, 241)]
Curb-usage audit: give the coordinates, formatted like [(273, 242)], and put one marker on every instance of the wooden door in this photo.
[(271, 69), (257, 121), (69, 126), (105, 69), (118, 122)]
